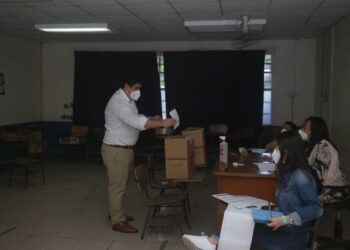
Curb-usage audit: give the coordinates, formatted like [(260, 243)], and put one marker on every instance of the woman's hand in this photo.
[(266, 158), (277, 222)]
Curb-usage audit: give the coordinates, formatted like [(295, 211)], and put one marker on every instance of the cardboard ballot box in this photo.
[(199, 144), (179, 157)]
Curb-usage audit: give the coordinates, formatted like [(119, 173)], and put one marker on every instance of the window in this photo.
[(160, 62), (267, 89)]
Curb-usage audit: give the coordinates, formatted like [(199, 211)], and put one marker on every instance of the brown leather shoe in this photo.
[(124, 227), (128, 218)]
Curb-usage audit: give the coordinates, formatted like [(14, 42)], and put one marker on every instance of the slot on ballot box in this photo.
[(179, 154)]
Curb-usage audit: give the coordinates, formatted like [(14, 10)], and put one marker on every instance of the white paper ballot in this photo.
[(241, 201), (257, 150), (237, 229), (173, 113), (269, 166)]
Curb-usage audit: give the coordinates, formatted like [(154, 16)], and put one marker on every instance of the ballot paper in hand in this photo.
[(237, 229), (173, 113)]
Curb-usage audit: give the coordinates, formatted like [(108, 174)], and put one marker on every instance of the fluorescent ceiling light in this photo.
[(74, 27), (223, 25)]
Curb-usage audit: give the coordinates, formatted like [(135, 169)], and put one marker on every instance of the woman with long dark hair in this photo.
[(323, 158), (296, 198), (287, 126)]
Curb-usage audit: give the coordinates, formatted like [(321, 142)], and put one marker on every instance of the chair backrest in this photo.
[(246, 132), (218, 128), (37, 147)]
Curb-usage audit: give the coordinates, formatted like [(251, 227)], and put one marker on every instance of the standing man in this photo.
[(123, 124)]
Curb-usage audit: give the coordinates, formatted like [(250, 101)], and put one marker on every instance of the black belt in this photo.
[(119, 146)]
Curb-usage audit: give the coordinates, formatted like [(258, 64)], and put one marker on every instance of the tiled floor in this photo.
[(70, 212)]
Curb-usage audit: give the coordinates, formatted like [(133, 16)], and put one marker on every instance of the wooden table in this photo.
[(243, 180)]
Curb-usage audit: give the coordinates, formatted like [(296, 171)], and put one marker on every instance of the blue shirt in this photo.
[(297, 197)]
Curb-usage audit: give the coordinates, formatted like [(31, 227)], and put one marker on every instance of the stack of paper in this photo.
[(241, 201), (257, 150), (266, 166)]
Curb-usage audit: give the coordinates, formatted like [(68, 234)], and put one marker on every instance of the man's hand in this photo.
[(168, 123)]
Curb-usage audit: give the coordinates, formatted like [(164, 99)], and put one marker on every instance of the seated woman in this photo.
[(287, 126), (296, 198), (324, 160)]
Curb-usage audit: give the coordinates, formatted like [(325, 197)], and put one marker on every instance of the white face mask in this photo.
[(302, 134), (283, 130), (276, 155), (135, 95)]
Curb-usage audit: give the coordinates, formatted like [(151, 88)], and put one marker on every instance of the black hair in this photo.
[(291, 125), (293, 154), (131, 79), (319, 131)]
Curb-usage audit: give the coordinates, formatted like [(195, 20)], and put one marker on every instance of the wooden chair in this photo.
[(31, 163), (176, 199), (77, 139), (163, 184)]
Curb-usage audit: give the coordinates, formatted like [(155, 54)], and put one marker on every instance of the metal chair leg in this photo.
[(338, 229), (155, 211), (187, 197), (179, 223), (183, 203), (146, 222)]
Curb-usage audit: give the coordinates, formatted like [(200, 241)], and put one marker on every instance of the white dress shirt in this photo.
[(122, 120)]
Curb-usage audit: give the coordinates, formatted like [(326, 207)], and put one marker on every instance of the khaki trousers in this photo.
[(118, 162)]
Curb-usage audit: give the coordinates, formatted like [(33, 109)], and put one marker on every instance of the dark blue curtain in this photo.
[(99, 74), (216, 87)]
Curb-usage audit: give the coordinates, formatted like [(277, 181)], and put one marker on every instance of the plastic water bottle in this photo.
[(223, 150)]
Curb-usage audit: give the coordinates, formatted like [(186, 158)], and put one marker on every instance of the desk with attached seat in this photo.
[(243, 180)]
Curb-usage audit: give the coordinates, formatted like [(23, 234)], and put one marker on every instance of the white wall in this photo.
[(20, 60), (340, 92), (289, 57)]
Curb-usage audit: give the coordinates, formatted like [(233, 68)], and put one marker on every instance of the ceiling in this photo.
[(163, 20)]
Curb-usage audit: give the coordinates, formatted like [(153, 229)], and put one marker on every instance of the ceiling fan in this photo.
[(251, 32)]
